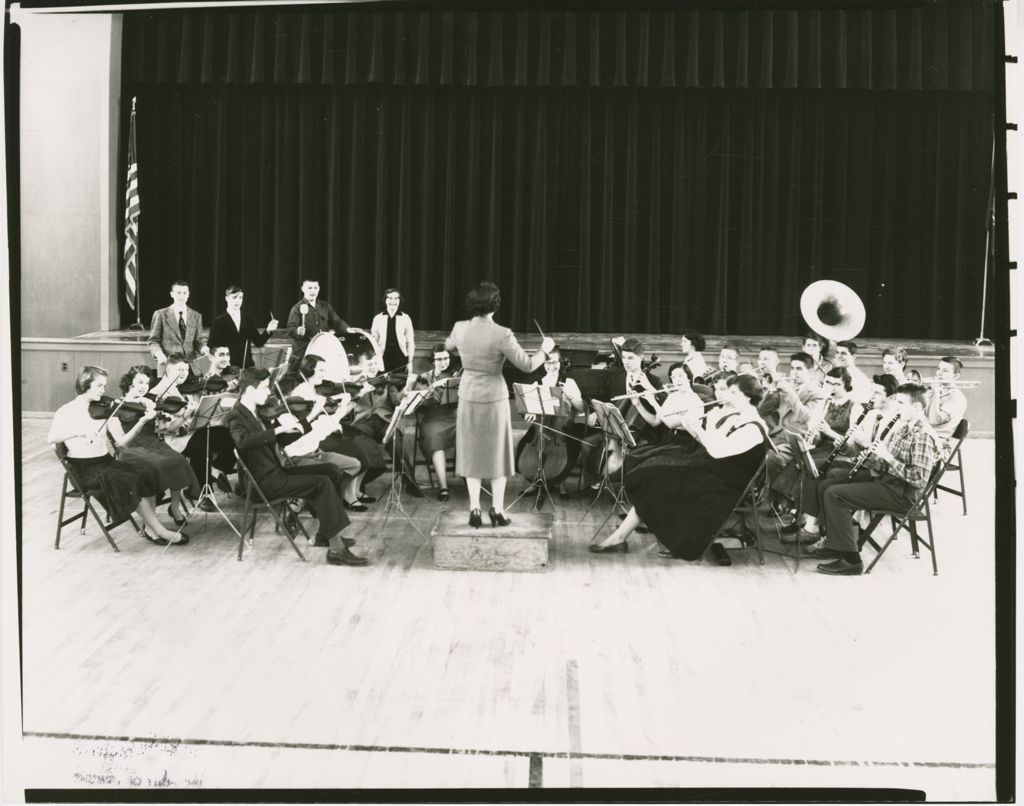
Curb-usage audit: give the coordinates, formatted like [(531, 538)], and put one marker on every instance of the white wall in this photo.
[(69, 108)]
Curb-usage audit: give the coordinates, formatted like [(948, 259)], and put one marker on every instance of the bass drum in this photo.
[(329, 348)]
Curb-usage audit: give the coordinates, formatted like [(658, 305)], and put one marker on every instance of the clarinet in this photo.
[(869, 451), (812, 434), (840, 446)]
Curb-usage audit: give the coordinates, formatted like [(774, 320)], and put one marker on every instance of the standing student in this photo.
[(237, 331), (176, 329)]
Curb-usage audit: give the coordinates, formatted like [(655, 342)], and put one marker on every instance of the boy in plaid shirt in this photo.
[(905, 461)]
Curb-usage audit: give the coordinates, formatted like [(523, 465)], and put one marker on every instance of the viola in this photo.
[(274, 408)]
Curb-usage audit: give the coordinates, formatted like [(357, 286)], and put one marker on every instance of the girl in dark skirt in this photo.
[(684, 496), (125, 486), (140, 441)]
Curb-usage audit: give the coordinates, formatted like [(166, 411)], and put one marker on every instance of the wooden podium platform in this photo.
[(520, 546)]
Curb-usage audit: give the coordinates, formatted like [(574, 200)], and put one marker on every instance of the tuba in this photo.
[(833, 310)]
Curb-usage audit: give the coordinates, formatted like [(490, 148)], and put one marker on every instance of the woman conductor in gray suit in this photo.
[(483, 434)]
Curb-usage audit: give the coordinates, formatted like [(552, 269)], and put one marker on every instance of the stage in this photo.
[(182, 667), (49, 365)]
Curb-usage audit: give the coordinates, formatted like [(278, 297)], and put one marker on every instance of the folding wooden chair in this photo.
[(754, 495), (277, 507), (73, 488), (918, 512), (956, 463)]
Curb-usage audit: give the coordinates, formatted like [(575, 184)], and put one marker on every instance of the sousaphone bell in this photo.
[(833, 310)]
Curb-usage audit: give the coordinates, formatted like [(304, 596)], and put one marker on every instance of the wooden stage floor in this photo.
[(186, 668)]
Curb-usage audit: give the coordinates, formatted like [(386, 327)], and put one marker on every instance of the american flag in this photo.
[(131, 221)]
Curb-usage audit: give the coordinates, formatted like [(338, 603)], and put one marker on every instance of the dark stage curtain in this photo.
[(595, 208)]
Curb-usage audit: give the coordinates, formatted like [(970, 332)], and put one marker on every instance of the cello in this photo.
[(546, 450)]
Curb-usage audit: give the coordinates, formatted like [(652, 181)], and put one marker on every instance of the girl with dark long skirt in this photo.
[(684, 495)]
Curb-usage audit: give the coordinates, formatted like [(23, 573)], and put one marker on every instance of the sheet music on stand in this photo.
[(407, 405), (271, 358), (449, 391), (212, 410), (612, 423), (537, 399)]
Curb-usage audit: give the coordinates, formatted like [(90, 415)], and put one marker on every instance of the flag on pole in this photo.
[(131, 221)]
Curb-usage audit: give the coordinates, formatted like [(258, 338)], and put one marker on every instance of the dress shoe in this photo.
[(344, 557), (366, 499), (614, 548), (223, 484), (803, 537), (498, 520), (474, 518), (823, 553), (356, 506), (842, 567), (177, 521), (159, 541), (719, 554), (665, 554), (443, 494), (208, 505), (181, 541), (321, 541)]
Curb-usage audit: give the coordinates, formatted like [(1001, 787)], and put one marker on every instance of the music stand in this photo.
[(610, 421), (210, 412), (409, 403), (539, 401), (271, 358)]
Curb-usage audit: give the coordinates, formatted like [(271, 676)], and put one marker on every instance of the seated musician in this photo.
[(894, 362), (221, 366), (946, 404), (139, 440), (256, 445), (692, 345), (906, 459), (372, 409), (728, 359), (437, 415), (682, 403), (817, 347), (767, 366), (193, 444), (555, 376), (639, 411), (126, 485), (831, 422), (685, 496), (846, 357), (788, 409), (882, 409), (310, 448)]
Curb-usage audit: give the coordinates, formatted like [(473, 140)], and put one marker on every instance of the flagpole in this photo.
[(137, 325)]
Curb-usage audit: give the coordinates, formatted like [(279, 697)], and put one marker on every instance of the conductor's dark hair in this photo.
[(749, 385), (843, 375), (251, 377), (696, 339), (86, 376), (483, 299), (634, 346)]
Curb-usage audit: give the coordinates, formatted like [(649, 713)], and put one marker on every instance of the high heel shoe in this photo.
[(614, 548), (474, 518), (498, 520), (177, 521)]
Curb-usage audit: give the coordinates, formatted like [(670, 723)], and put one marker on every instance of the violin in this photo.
[(211, 384), (127, 411)]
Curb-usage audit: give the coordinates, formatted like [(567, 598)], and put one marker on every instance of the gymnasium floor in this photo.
[(182, 667)]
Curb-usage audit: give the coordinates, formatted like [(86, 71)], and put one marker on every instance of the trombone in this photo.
[(959, 384)]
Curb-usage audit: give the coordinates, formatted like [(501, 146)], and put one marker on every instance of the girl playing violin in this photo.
[(139, 440), (437, 418), (127, 485)]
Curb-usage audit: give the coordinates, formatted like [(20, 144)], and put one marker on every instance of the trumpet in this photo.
[(951, 382)]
